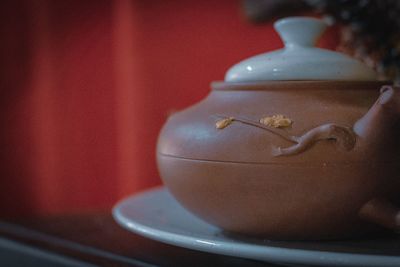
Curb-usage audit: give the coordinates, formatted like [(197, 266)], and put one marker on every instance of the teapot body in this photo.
[(308, 179)]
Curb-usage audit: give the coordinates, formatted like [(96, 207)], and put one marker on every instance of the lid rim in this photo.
[(272, 85)]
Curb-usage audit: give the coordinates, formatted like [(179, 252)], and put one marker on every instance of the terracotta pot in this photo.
[(288, 159)]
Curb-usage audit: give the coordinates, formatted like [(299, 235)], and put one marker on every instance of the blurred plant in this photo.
[(371, 32)]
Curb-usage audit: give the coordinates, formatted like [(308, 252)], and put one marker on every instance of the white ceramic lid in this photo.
[(300, 59)]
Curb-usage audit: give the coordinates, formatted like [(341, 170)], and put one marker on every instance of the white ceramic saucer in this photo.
[(155, 214)]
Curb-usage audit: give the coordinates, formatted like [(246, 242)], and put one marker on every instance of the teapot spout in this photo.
[(381, 117)]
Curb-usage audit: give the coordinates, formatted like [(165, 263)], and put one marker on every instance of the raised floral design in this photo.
[(277, 121), (343, 136), (223, 123)]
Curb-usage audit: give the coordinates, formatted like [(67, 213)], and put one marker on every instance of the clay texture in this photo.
[(324, 175)]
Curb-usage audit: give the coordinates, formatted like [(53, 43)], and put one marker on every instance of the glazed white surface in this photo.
[(299, 59), (157, 215)]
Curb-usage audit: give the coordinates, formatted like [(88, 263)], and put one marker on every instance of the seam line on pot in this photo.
[(271, 163)]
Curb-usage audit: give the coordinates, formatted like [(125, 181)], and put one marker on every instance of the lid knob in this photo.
[(300, 60), (300, 31)]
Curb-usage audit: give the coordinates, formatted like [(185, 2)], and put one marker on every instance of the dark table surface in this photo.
[(94, 239), (97, 240)]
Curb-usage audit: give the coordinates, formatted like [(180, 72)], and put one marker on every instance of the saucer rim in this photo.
[(241, 248)]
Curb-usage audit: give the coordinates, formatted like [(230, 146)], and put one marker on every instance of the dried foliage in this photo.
[(371, 32)]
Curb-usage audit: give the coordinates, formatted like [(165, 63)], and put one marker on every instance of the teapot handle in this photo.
[(383, 212)]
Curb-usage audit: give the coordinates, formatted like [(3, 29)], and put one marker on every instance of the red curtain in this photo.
[(87, 85)]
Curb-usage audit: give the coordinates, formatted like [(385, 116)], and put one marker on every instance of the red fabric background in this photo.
[(86, 86)]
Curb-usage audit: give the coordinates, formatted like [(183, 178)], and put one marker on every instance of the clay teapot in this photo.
[(299, 143)]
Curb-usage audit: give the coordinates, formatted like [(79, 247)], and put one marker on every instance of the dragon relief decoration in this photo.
[(343, 136)]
